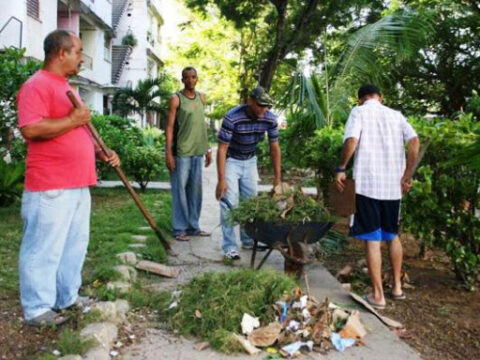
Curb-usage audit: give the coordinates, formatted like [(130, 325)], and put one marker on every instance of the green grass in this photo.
[(222, 299), (115, 218), (70, 343), (10, 237)]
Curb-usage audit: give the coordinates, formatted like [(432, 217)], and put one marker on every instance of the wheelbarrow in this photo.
[(286, 237)]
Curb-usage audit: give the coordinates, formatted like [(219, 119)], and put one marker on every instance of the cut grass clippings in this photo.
[(211, 306)]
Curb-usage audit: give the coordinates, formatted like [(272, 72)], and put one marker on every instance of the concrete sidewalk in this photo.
[(204, 254)]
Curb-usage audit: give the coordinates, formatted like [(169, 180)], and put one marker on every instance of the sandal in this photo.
[(201, 233), (373, 304), (182, 237), (401, 296), (49, 318)]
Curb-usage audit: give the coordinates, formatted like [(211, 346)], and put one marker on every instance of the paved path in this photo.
[(204, 254)]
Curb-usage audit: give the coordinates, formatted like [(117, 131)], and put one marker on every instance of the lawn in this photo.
[(114, 220)]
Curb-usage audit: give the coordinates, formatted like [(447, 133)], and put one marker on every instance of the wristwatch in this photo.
[(339, 169)]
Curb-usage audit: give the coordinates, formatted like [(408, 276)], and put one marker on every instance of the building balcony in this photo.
[(87, 61)]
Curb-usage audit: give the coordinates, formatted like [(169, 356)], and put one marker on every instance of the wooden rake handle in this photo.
[(122, 177)]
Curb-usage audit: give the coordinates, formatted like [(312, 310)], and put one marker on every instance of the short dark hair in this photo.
[(368, 89), (188, 68), (55, 41)]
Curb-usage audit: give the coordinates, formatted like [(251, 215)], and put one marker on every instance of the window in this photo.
[(106, 48), (33, 8)]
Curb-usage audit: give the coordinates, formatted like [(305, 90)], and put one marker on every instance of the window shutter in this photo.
[(33, 8)]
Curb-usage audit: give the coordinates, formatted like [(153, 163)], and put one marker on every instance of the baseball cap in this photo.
[(261, 96)]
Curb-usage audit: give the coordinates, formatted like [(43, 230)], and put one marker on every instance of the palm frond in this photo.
[(401, 34)]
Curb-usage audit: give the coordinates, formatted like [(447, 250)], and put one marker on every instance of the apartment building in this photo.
[(101, 24), (142, 20)]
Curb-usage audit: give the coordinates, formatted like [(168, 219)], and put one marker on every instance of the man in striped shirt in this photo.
[(242, 128)]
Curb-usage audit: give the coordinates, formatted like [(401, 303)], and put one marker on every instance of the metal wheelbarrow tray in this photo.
[(284, 237)]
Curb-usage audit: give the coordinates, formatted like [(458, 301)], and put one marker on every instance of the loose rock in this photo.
[(128, 258), (119, 285), (97, 353), (104, 333), (107, 309), (128, 273), (139, 238)]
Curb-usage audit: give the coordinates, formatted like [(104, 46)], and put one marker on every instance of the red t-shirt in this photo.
[(66, 161)]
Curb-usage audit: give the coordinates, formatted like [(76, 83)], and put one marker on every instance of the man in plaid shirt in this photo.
[(377, 135)]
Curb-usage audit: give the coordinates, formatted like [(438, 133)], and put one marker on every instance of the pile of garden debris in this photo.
[(284, 203), (302, 324)]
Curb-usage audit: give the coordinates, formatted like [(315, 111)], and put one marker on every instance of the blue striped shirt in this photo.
[(242, 133)]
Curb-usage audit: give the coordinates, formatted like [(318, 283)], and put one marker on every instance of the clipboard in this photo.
[(342, 204)]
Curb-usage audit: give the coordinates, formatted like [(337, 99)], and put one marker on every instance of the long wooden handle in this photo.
[(122, 177)]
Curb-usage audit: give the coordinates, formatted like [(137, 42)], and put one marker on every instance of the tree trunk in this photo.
[(268, 70)]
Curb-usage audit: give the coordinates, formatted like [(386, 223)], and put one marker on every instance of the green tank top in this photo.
[(190, 127)]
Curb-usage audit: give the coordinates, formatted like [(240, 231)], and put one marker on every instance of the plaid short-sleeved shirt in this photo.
[(380, 155), (242, 133)]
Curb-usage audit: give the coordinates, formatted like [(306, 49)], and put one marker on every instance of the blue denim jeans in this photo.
[(241, 177), (54, 244), (186, 181)]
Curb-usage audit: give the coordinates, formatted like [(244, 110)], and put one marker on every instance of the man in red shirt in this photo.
[(60, 169)]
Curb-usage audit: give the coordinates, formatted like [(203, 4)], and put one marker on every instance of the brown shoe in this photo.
[(182, 237), (49, 318)]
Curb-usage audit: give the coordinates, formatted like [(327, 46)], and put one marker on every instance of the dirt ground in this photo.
[(442, 318)]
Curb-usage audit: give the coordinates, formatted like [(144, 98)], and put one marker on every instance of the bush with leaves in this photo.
[(440, 208), (144, 163), (11, 182), (119, 134), (14, 71)]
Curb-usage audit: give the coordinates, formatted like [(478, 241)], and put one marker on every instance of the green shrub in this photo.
[(11, 182), (440, 208), (119, 134), (144, 163)]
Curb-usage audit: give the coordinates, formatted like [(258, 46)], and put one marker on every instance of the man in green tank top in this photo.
[(186, 145)]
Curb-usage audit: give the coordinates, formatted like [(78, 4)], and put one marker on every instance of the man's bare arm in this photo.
[(50, 128), (276, 158), (412, 159), (347, 152), (221, 164), (173, 105)]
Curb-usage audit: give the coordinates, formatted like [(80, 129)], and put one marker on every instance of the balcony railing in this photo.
[(87, 62)]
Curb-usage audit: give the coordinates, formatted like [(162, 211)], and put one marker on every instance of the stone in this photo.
[(122, 306), (128, 273), (137, 246), (107, 309), (121, 286), (97, 353), (71, 357), (128, 258), (139, 238), (104, 333), (157, 268)]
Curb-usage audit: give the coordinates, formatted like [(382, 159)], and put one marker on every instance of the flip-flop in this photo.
[(201, 233), (182, 237), (374, 304), (49, 318), (401, 296)]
